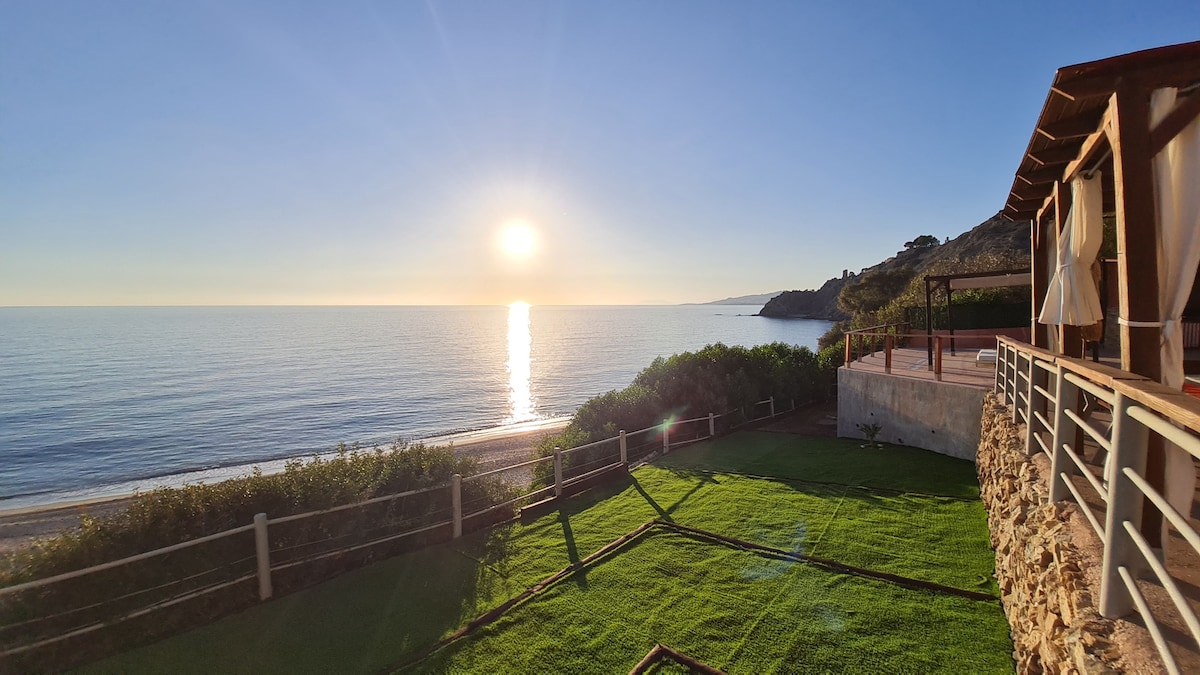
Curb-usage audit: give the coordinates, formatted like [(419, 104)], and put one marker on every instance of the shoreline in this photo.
[(494, 447)]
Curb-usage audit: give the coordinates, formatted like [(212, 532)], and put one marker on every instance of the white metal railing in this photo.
[(655, 438), (1030, 381)]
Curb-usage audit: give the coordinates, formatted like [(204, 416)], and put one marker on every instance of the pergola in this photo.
[(1096, 118), (964, 281), (1114, 119)]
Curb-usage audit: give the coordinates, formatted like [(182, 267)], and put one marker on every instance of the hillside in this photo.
[(994, 234), (756, 299)]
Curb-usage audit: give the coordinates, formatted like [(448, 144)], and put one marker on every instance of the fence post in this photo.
[(262, 550), (557, 472), (937, 358), (624, 448), (847, 340), (772, 400), (1000, 352), (1124, 505), (887, 354), (666, 436), (456, 503), (712, 425)]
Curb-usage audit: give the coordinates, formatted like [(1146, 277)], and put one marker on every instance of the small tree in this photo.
[(872, 291), (923, 241)]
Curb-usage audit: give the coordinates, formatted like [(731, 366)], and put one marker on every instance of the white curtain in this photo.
[(1177, 205), (1072, 298)]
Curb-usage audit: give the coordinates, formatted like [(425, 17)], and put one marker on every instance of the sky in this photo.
[(382, 153)]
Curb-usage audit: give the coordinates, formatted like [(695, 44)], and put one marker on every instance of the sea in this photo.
[(104, 401)]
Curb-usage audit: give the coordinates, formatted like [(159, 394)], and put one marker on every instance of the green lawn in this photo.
[(897, 510)]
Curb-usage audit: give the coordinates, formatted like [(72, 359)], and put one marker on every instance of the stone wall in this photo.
[(1041, 559)]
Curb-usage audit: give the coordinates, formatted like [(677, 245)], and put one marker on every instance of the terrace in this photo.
[(753, 552)]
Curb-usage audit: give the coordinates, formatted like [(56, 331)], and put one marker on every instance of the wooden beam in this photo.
[(1022, 190), (1090, 148), (1172, 72), (1078, 126), (1047, 205), (1040, 176), (1185, 111), (1040, 271), (1137, 261), (1059, 154), (1025, 205)]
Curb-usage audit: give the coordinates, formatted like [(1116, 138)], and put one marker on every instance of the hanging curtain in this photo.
[(1177, 206), (1072, 298), (1177, 195)]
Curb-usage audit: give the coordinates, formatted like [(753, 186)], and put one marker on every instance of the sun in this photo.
[(517, 239)]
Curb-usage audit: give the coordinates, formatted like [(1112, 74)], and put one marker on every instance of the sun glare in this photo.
[(517, 239)]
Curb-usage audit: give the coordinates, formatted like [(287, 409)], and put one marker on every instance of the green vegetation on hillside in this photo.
[(716, 379)]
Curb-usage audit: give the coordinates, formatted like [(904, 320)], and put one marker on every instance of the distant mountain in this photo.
[(994, 234), (759, 299)]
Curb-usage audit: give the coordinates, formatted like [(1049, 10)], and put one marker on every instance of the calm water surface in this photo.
[(97, 401)]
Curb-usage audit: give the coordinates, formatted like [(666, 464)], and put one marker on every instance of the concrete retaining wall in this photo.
[(935, 416)]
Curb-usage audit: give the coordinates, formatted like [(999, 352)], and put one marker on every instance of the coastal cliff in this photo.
[(996, 234)]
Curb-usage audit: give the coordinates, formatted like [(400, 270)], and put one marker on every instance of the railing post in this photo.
[(772, 400), (847, 340), (1000, 351), (1124, 505), (262, 550), (558, 472), (624, 447), (1016, 382), (712, 425), (456, 503), (937, 358), (1030, 395), (1065, 395), (887, 354), (666, 436)]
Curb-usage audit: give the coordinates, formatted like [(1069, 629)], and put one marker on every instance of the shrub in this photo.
[(715, 379)]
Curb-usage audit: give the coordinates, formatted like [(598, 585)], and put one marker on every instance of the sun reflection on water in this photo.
[(520, 349)]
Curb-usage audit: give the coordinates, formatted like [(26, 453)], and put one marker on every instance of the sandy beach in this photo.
[(493, 447)]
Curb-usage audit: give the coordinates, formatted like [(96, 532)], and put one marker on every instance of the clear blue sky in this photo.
[(371, 152)]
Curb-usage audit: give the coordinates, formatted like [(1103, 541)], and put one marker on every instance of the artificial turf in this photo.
[(898, 510)]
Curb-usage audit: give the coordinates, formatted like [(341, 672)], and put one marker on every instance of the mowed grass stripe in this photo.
[(390, 611), (736, 610)]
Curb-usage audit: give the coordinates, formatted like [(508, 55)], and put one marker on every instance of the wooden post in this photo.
[(1137, 262), (666, 436), (712, 425), (846, 338), (887, 354), (456, 503), (937, 358), (624, 447), (928, 322), (1040, 282), (262, 551), (558, 472)]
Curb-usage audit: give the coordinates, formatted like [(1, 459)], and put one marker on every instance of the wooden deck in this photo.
[(958, 368)]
